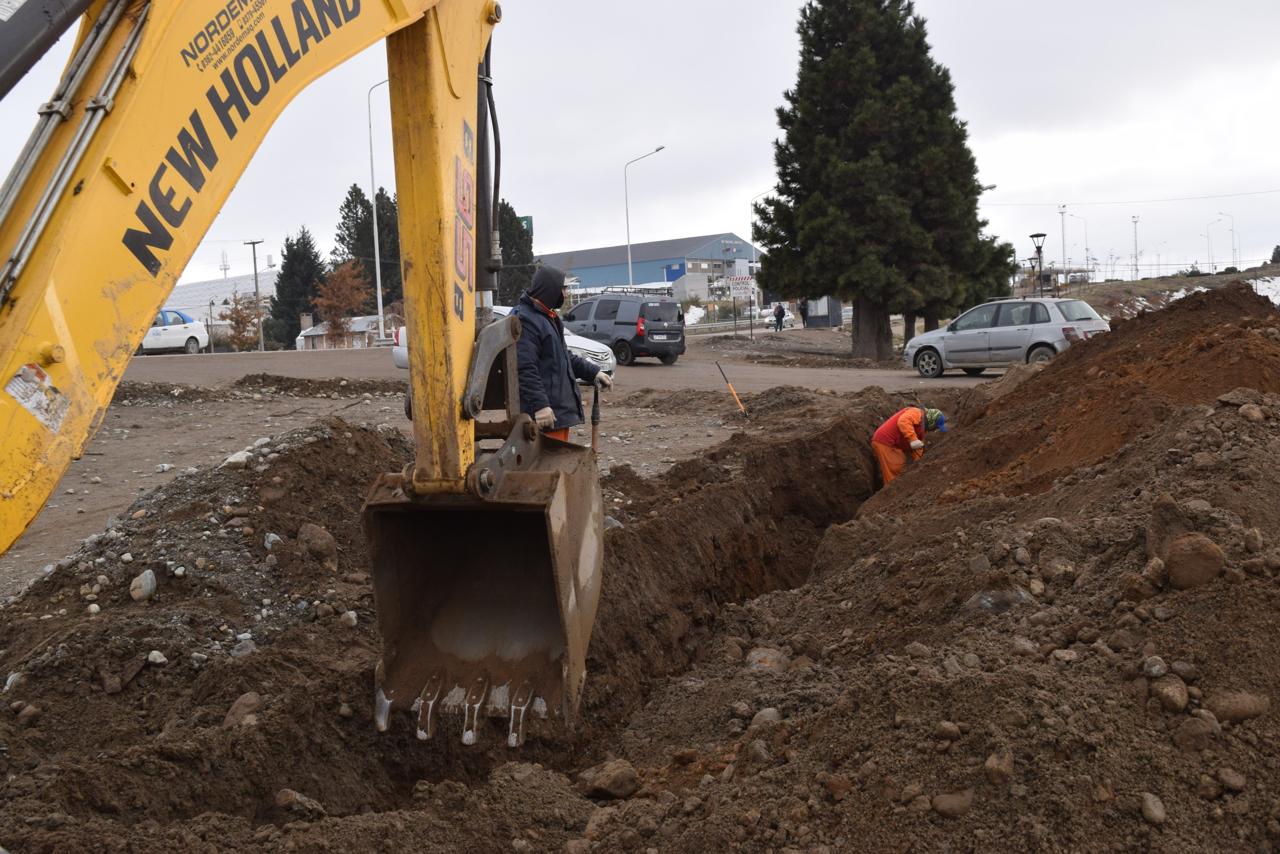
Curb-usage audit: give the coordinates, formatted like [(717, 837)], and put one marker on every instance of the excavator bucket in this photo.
[(485, 605)]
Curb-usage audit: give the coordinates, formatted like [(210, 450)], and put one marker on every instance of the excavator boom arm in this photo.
[(486, 564), (161, 107)]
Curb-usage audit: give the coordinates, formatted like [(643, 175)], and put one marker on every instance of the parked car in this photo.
[(632, 325), (766, 315), (1002, 332), (175, 331), (592, 351)]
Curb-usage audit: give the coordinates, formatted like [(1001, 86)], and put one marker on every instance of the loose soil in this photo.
[(989, 655), (792, 348)]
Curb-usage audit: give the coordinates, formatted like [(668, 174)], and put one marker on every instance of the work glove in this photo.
[(917, 445), (604, 380), (545, 418)]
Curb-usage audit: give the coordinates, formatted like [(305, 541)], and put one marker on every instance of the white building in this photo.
[(204, 301), (361, 332)]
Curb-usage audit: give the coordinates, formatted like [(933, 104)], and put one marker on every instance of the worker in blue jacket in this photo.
[(548, 372)]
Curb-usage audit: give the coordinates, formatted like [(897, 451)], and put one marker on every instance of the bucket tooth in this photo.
[(428, 702), (476, 695), (519, 705)]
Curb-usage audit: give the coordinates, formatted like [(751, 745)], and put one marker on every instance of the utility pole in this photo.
[(257, 296), (1136, 273), (1062, 215)]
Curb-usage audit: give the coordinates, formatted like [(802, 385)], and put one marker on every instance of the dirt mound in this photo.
[(273, 384), (1003, 672), (1101, 394), (130, 393), (679, 402), (1076, 662), (122, 709), (252, 387), (813, 348)]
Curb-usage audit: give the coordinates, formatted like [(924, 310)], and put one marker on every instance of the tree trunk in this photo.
[(872, 338), (930, 320), (908, 327)]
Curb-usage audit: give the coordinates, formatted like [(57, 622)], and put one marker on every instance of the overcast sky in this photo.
[(1083, 102)]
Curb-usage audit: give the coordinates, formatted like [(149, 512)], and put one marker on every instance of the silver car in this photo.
[(593, 351), (996, 334)]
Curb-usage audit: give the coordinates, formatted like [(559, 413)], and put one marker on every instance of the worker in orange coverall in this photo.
[(903, 434)]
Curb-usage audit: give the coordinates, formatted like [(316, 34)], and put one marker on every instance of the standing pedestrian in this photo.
[(548, 372), (803, 308), (779, 312)]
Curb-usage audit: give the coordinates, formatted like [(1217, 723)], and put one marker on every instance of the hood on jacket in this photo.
[(548, 287)]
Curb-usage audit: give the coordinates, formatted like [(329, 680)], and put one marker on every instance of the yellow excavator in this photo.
[(487, 549)]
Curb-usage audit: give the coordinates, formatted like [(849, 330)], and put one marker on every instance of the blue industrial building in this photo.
[(715, 255)]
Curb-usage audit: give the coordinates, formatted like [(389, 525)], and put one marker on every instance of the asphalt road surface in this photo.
[(694, 371)]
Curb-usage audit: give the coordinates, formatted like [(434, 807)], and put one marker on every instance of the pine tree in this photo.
[(301, 272), (1275, 255), (517, 255), (877, 190), (354, 240)]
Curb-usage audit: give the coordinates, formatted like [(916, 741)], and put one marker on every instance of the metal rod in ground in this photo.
[(733, 392), (595, 421)]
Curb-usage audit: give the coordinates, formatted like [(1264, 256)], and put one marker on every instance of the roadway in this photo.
[(694, 371)]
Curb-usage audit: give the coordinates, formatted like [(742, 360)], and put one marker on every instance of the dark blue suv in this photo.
[(634, 325)]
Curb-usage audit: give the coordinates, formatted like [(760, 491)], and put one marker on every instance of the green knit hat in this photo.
[(935, 420)]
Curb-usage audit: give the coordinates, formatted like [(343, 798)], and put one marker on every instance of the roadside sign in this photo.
[(527, 222)]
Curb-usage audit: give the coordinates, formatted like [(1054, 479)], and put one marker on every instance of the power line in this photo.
[(1130, 201)]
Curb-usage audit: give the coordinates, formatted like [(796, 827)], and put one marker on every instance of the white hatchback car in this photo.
[(596, 352), (175, 331)]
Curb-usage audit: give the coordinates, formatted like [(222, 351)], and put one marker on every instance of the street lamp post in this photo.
[(755, 255), (1088, 268), (1038, 240), (755, 260), (1136, 273), (257, 297), (1235, 258), (1208, 237), (373, 203), (626, 207)]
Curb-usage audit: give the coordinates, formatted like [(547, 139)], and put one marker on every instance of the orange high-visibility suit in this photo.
[(892, 442)]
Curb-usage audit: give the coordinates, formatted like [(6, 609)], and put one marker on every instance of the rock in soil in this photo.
[(1236, 706), (1153, 809), (953, 804), (616, 779), (1171, 692), (1192, 560)]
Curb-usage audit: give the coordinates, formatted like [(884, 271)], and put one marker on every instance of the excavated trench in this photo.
[(734, 523), (740, 521)]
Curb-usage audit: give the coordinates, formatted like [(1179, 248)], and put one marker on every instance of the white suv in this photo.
[(594, 352), (175, 330), (996, 334)]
